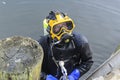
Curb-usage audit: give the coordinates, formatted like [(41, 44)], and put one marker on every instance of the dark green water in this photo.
[(98, 20)]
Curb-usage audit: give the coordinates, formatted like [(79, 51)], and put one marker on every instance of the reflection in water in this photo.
[(4, 2)]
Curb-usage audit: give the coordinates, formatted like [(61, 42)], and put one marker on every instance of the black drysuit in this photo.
[(76, 54)]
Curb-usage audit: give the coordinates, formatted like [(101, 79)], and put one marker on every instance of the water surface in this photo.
[(98, 20)]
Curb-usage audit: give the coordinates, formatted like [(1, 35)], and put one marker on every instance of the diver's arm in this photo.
[(86, 59)]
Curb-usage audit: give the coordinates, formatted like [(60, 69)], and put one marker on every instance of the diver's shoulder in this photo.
[(80, 37)]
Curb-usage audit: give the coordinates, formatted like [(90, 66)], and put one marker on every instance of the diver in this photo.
[(67, 55)]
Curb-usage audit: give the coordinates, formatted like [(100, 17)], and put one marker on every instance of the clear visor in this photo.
[(65, 25)]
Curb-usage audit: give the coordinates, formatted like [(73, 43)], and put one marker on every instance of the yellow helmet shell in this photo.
[(59, 19)]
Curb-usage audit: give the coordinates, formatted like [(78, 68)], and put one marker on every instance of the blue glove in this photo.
[(50, 77), (74, 75)]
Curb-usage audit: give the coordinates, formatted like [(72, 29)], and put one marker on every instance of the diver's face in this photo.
[(58, 27)]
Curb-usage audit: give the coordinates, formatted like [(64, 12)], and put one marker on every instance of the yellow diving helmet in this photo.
[(57, 24)]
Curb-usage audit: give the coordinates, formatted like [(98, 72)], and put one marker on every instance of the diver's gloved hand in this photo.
[(74, 75), (50, 77)]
